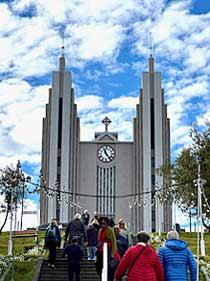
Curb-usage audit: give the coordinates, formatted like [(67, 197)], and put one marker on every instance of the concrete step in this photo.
[(60, 272)]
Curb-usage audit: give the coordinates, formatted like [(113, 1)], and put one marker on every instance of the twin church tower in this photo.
[(115, 178)]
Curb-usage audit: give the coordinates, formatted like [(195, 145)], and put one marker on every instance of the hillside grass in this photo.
[(191, 238), (23, 271), (20, 244)]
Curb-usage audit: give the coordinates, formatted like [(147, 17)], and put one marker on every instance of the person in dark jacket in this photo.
[(76, 229), (176, 259), (92, 240), (52, 241), (122, 242), (74, 255), (143, 267)]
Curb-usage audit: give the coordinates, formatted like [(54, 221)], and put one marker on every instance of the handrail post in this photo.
[(105, 263)]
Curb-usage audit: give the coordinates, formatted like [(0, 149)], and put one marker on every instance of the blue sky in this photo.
[(106, 49)]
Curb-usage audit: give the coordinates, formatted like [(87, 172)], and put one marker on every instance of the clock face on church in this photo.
[(106, 153)]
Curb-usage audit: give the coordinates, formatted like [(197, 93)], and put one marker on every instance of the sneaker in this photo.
[(48, 264), (53, 266)]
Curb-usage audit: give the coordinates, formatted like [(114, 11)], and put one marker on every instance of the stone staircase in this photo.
[(60, 272)]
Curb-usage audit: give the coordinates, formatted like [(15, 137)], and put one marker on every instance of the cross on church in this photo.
[(106, 121)]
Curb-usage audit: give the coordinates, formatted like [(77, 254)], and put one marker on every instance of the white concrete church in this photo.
[(115, 178)]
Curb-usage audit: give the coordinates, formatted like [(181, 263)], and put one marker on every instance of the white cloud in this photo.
[(96, 41), (197, 58), (8, 20), (13, 90), (93, 109), (89, 102), (181, 135), (47, 8), (11, 156), (201, 120), (21, 111), (82, 10), (124, 102)]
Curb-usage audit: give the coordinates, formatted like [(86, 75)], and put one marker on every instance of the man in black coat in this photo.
[(76, 229)]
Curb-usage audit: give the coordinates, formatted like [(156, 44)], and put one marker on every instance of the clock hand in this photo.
[(106, 153)]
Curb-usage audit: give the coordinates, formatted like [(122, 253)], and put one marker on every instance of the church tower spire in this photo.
[(62, 58), (151, 59)]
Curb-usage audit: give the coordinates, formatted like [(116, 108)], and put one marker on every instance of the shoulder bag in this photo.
[(134, 261)]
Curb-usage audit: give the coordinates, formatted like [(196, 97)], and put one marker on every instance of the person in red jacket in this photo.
[(141, 261)]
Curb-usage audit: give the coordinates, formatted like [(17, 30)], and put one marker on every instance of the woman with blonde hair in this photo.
[(123, 229), (52, 241)]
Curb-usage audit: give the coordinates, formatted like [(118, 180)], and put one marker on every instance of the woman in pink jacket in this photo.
[(141, 261)]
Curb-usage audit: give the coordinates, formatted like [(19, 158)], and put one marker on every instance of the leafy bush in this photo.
[(5, 261)]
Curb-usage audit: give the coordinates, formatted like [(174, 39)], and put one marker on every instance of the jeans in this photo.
[(91, 251)]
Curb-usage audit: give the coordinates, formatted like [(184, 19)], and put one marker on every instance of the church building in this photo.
[(116, 178)]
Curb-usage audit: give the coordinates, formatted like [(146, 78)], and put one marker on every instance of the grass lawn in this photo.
[(191, 238), (21, 244), (23, 271)]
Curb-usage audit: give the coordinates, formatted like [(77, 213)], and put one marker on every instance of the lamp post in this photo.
[(198, 216), (11, 220), (157, 204), (200, 242), (21, 178), (174, 205), (12, 181)]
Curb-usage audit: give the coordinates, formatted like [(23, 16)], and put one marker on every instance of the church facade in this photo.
[(116, 178)]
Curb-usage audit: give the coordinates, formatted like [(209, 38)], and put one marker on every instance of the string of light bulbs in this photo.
[(140, 199)]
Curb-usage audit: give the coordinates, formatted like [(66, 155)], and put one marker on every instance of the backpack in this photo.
[(51, 234)]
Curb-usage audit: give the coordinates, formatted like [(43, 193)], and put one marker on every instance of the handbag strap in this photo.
[(134, 261)]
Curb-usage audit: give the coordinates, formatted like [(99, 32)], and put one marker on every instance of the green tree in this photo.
[(10, 182), (201, 148), (184, 173)]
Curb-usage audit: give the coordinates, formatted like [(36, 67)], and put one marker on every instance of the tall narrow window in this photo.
[(106, 191), (60, 122), (152, 121)]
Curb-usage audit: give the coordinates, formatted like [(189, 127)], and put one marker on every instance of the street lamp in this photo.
[(158, 206), (11, 220), (200, 243)]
